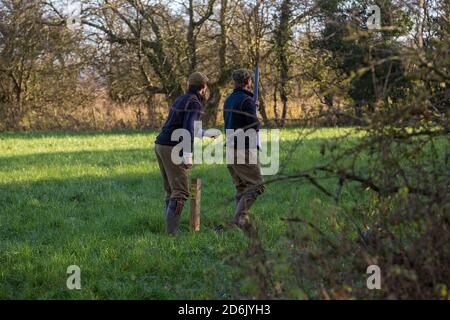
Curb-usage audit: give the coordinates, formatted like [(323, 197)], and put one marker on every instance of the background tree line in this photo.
[(129, 59), (393, 83)]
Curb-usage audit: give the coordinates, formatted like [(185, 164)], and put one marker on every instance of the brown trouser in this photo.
[(246, 177), (175, 177)]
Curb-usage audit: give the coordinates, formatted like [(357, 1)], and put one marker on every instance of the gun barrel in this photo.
[(256, 84)]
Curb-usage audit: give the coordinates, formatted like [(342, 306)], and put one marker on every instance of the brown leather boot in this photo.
[(234, 223), (241, 217), (167, 204), (241, 214)]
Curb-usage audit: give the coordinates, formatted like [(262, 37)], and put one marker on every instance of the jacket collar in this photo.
[(238, 89), (196, 93)]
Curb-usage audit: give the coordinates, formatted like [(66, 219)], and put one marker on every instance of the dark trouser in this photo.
[(248, 182), (176, 186)]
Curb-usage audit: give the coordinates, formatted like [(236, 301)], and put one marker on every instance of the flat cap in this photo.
[(198, 79), (242, 75)]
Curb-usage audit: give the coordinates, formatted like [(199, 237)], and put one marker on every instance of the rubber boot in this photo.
[(173, 216)]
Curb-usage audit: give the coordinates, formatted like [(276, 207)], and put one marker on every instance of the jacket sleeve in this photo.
[(192, 113), (251, 117)]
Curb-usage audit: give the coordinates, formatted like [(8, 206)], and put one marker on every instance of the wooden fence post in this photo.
[(196, 196)]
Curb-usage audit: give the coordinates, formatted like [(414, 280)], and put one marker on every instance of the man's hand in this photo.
[(187, 160), (212, 133)]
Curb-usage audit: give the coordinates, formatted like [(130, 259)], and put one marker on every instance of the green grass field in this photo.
[(95, 200)]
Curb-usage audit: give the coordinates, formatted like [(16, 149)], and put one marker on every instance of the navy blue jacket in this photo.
[(184, 111), (240, 112)]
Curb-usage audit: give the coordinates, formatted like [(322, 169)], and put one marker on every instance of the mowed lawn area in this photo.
[(95, 200)]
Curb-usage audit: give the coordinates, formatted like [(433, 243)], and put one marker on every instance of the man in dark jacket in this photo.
[(186, 109), (242, 126)]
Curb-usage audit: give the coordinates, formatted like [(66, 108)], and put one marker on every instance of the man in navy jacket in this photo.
[(186, 109), (242, 126)]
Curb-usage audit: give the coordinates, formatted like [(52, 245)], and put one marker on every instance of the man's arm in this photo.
[(192, 113), (200, 132), (250, 112)]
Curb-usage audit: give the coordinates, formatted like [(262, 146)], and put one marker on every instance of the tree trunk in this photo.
[(212, 106), (192, 43), (282, 38), (284, 101), (262, 110), (421, 24), (275, 106)]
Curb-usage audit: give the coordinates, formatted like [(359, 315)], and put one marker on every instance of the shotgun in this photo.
[(256, 97), (256, 85)]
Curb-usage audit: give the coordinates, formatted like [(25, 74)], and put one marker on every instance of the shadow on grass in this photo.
[(72, 134), (112, 201), (108, 158)]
